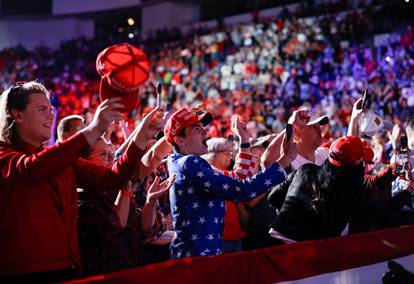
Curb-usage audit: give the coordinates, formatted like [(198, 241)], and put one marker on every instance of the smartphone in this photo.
[(366, 100), (289, 130), (401, 158), (159, 96)]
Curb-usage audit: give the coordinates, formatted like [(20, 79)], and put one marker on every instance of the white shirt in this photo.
[(321, 154)]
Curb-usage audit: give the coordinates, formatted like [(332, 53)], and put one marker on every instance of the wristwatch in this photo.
[(245, 145)]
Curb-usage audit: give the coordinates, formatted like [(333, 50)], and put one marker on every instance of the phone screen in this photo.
[(401, 159), (288, 132), (366, 101), (159, 100)]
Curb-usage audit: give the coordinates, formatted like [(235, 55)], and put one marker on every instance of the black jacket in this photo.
[(299, 220)]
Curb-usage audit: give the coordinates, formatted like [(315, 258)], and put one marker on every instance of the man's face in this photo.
[(311, 134), (34, 123), (194, 141)]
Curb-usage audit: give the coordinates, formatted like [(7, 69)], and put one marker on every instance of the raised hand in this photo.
[(357, 109), (158, 151), (157, 190), (105, 114), (394, 136), (239, 128), (288, 152), (152, 123), (299, 118), (125, 129), (110, 130)]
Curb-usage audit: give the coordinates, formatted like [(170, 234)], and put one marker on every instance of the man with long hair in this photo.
[(38, 197)]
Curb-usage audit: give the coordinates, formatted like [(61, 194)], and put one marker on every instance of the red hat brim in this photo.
[(129, 101)]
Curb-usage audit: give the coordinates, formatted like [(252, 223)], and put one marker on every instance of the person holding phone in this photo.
[(159, 95), (319, 200), (306, 132), (364, 121), (308, 135), (198, 194), (403, 158)]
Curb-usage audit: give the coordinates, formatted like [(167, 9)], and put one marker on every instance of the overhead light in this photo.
[(131, 35), (131, 21), (388, 59)]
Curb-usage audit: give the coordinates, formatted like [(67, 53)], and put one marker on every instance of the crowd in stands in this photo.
[(214, 168), (282, 62)]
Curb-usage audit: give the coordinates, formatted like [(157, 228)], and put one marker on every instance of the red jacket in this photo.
[(38, 202)]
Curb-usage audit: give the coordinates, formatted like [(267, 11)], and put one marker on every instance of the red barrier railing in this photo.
[(275, 264)]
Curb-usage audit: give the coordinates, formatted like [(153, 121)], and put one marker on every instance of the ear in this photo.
[(17, 115), (179, 140)]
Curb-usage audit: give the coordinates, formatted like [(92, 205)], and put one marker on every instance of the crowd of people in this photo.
[(261, 138), (280, 63)]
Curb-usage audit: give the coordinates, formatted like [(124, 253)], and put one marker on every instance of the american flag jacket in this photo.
[(197, 202)]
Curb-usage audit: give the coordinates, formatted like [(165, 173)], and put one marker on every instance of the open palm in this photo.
[(157, 189)]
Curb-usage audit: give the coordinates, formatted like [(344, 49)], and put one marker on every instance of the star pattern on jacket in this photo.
[(197, 200)]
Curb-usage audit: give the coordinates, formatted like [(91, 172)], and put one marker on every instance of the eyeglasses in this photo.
[(226, 152)]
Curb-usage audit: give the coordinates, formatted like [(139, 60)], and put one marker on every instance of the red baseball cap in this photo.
[(123, 69), (368, 153), (183, 118), (346, 151)]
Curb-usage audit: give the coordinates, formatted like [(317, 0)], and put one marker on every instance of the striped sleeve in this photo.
[(244, 165)]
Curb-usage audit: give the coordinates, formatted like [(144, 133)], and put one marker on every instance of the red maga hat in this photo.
[(368, 153), (346, 151), (183, 118), (123, 69)]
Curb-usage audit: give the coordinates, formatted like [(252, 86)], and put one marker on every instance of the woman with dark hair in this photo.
[(38, 197), (320, 199)]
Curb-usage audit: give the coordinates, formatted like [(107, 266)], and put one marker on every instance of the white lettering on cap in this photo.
[(183, 113), (175, 127), (188, 116)]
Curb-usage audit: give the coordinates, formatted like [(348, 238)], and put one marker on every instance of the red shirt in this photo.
[(38, 202)]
